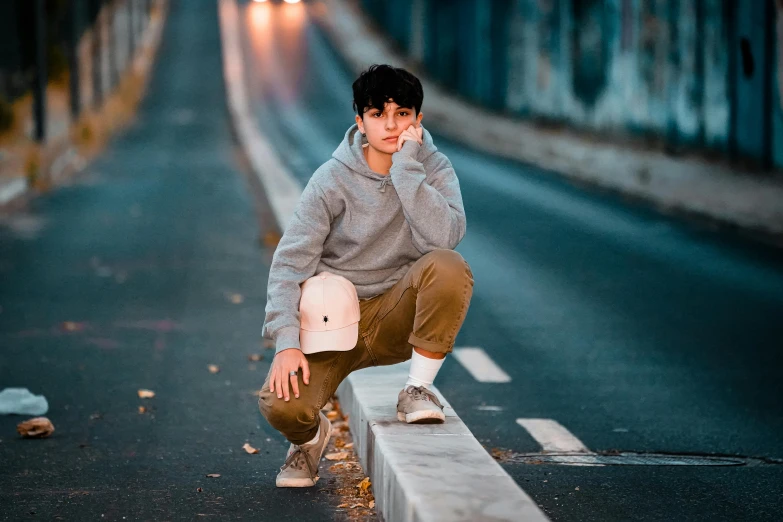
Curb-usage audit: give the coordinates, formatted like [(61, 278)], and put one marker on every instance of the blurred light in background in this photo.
[(277, 37)]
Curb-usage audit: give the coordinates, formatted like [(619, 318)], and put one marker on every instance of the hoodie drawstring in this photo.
[(382, 188)]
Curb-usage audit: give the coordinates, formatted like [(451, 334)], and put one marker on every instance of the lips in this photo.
[(391, 138)]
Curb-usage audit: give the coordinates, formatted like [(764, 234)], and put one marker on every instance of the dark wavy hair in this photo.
[(383, 83)]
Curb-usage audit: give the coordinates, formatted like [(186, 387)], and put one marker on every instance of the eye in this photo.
[(403, 113), (375, 114)]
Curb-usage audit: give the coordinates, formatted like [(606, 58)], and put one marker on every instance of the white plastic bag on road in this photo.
[(22, 402)]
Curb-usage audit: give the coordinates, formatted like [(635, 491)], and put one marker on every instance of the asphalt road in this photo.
[(635, 331), (139, 274)]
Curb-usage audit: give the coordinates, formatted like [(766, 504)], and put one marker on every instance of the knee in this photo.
[(450, 265), (284, 415)]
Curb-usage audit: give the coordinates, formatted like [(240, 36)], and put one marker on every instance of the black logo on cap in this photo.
[(326, 319)]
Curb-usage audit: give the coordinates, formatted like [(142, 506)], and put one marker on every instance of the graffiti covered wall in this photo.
[(696, 73)]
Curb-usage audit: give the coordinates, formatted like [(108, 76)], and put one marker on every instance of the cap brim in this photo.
[(340, 340)]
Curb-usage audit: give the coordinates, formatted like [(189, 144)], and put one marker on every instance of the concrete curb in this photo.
[(431, 472), (426, 472), (689, 185), (65, 157)]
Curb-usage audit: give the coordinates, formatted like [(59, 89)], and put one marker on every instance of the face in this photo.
[(382, 128)]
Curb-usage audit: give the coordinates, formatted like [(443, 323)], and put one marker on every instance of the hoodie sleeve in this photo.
[(432, 204), (294, 261)]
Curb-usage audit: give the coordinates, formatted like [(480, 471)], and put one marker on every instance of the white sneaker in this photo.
[(418, 405), (300, 469)]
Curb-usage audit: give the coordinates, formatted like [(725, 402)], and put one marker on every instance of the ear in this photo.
[(360, 123), (418, 119)]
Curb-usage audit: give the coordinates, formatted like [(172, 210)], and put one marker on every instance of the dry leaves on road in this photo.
[(213, 368), (250, 449), (350, 484), (341, 455), (142, 409), (213, 475), (236, 298), (255, 357), (146, 394), (332, 415), (36, 427), (364, 485)]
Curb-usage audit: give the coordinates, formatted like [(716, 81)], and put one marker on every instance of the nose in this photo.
[(391, 123)]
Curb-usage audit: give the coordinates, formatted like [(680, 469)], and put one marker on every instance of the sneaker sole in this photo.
[(302, 482), (422, 417)]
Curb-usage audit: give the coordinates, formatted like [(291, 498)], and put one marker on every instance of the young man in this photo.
[(385, 213)]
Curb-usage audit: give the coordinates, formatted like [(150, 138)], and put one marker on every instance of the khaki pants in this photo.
[(426, 309)]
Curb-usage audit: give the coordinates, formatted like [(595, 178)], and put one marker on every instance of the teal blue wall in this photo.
[(690, 73)]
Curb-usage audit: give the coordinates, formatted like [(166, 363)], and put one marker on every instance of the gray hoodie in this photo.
[(367, 227)]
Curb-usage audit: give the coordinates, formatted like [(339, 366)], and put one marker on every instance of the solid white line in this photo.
[(552, 436), (480, 366)]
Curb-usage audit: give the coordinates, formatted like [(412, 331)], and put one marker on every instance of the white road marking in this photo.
[(555, 438), (489, 408), (480, 366)]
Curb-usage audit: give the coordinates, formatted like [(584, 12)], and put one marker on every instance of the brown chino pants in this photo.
[(426, 309)]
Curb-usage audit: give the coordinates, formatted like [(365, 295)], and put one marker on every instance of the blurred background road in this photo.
[(631, 330)]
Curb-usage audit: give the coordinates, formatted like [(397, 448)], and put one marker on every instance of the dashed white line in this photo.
[(553, 436), (489, 407), (480, 365)]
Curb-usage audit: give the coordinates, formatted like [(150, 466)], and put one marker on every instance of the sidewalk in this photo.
[(688, 184), (25, 165)]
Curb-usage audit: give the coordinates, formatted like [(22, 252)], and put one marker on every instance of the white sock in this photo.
[(317, 434), (423, 370)]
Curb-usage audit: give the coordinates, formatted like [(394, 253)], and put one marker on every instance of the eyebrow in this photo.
[(398, 109)]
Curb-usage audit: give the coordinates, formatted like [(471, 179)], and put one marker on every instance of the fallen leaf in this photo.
[(341, 455), (339, 443), (250, 449), (342, 505), (199, 490), (142, 409), (71, 326), (332, 415), (214, 475), (364, 485), (357, 505), (255, 357), (237, 298), (271, 238), (372, 504), (146, 394), (213, 368), (577, 488), (35, 427), (348, 446)]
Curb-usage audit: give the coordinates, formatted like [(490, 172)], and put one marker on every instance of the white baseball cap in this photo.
[(329, 314)]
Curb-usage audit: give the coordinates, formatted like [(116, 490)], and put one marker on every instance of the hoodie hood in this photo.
[(350, 152)]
